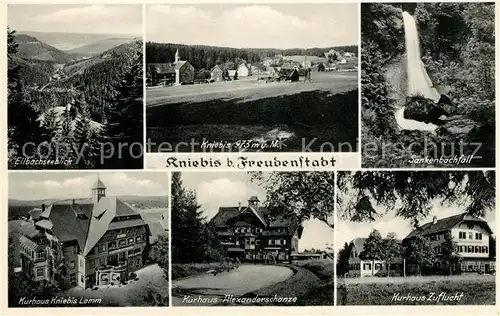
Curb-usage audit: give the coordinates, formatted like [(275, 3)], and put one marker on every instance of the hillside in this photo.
[(18, 208), (31, 48), (205, 57), (99, 47)]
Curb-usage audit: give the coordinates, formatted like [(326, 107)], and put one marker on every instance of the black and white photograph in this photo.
[(252, 77), (75, 86), (428, 84), (252, 239), (416, 238), (79, 239)]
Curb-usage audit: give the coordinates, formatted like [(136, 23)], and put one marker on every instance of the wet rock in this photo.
[(457, 126), (421, 109)]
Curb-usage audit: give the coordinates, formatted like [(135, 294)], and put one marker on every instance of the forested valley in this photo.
[(65, 107)]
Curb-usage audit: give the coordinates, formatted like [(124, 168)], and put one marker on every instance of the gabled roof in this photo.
[(445, 224), (35, 213), (29, 243), (287, 72), (103, 213), (359, 244), (98, 185), (220, 67), (29, 229), (66, 225), (179, 64), (225, 214)]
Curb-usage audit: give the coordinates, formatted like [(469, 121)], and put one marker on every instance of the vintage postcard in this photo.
[(428, 84), (416, 238), (254, 78), (237, 242), (82, 239), (75, 87)]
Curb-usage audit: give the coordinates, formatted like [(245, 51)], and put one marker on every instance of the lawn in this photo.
[(325, 111), (476, 289)]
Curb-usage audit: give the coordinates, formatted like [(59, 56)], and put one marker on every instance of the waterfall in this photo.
[(418, 80)]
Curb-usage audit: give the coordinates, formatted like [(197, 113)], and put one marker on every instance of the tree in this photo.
[(305, 195), (391, 249), (343, 260), (321, 67), (235, 75), (124, 118), (22, 118), (412, 193), (85, 138), (420, 252), (159, 253), (187, 224), (372, 248), (448, 256)]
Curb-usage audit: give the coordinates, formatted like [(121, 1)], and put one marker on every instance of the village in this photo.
[(280, 68)]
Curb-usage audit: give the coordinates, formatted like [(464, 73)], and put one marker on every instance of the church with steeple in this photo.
[(98, 241), (178, 72)]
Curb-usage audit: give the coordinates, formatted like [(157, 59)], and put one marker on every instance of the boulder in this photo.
[(457, 126), (421, 109)]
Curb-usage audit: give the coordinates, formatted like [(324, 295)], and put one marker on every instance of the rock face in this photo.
[(457, 126), (421, 109)]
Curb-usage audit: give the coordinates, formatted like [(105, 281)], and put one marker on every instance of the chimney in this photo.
[(434, 220)]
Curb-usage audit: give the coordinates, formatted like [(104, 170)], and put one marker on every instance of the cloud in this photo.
[(262, 26), (107, 19), (222, 192), (79, 186)]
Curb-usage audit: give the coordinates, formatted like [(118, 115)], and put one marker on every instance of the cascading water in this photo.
[(417, 77)]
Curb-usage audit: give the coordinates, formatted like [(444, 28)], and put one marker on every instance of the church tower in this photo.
[(177, 56), (98, 190)]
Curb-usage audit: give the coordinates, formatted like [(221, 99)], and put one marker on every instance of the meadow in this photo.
[(476, 289), (322, 111)]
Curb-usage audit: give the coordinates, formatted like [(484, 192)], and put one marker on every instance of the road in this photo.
[(245, 279)]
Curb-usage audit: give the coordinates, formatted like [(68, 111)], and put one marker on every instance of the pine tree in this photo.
[(187, 224), (84, 138), (22, 119), (124, 118)]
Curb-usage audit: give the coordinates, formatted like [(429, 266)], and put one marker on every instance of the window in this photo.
[(122, 242), (82, 263), (138, 239), (40, 272), (111, 245), (102, 261), (284, 241), (102, 248), (470, 235), (485, 249), (91, 264), (460, 248), (477, 249), (82, 279), (131, 240), (73, 277), (72, 264), (479, 236), (138, 261), (271, 241), (40, 255), (462, 235), (470, 249)]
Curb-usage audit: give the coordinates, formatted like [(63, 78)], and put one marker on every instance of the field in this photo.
[(245, 110), (476, 289)]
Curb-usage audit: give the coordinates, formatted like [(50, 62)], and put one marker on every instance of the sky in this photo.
[(98, 19), (69, 185), (346, 231), (254, 26), (218, 189)]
